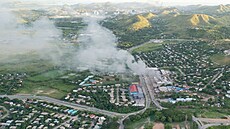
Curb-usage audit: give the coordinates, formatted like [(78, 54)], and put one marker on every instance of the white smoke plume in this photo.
[(98, 51), (15, 39)]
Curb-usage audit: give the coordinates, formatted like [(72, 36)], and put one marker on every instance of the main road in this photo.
[(147, 103), (64, 103), (80, 107), (150, 84)]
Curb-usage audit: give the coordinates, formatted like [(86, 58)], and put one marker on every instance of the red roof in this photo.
[(133, 88)]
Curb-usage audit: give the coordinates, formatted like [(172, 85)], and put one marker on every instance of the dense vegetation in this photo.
[(165, 116)]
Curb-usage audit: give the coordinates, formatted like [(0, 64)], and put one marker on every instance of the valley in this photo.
[(110, 66)]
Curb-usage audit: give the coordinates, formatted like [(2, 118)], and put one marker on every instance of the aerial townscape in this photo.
[(114, 64)]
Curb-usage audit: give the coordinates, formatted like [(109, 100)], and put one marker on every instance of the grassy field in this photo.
[(46, 76), (220, 127), (221, 59), (54, 88), (147, 47), (42, 77), (138, 124), (47, 83), (25, 63), (210, 114)]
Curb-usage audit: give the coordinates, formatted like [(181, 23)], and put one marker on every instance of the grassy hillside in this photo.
[(211, 10), (167, 24), (202, 19), (141, 23)]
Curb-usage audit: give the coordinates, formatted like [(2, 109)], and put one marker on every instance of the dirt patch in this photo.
[(45, 92), (158, 126)]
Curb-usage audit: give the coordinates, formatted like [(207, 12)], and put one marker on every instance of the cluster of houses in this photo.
[(11, 81), (118, 95), (193, 67), (33, 118), (36, 114)]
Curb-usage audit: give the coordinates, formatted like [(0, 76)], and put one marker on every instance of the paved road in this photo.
[(211, 122), (147, 103), (150, 84), (64, 103), (7, 112), (219, 74), (77, 106), (145, 84), (199, 123)]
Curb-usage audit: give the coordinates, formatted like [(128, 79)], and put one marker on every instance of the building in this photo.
[(136, 91), (180, 100), (133, 89)]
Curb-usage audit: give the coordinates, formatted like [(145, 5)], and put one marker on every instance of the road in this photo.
[(144, 82), (147, 103), (79, 107), (7, 112), (149, 85), (215, 77), (68, 121), (211, 122), (64, 103)]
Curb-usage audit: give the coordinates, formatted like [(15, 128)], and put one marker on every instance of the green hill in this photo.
[(168, 24)]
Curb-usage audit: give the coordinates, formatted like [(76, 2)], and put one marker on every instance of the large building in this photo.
[(133, 89), (136, 91)]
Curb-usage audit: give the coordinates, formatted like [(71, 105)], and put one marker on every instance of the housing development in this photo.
[(127, 65)]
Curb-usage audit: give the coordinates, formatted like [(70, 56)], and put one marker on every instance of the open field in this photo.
[(138, 124), (210, 114), (219, 127), (42, 78), (49, 75), (55, 88), (25, 63), (221, 59), (148, 47)]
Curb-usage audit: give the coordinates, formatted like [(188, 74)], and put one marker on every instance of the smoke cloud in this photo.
[(97, 46), (98, 51), (40, 37)]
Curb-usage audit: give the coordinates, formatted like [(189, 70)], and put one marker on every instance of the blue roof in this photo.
[(70, 111), (74, 112)]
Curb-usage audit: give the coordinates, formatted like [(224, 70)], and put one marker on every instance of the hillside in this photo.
[(168, 23), (223, 8), (170, 11), (210, 10), (150, 15), (202, 19), (141, 23), (189, 21)]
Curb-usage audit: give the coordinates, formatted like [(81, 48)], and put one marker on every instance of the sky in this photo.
[(164, 2)]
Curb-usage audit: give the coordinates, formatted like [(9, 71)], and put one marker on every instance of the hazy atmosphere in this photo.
[(157, 2), (114, 64)]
